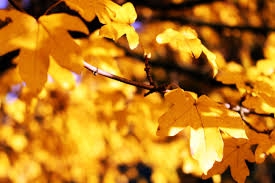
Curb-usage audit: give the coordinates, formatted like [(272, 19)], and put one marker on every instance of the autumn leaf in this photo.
[(265, 144), (206, 119), (259, 104), (262, 98), (265, 66), (105, 10), (121, 24), (117, 19), (232, 73), (236, 151), (115, 30), (37, 40), (60, 75), (187, 40)]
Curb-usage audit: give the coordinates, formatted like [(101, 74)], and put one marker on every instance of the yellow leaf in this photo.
[(37, 40), (232, 73), (126, 14), (105, 10), (236, 151), (63, 48), (205, 118), (262, 99), (62, 76), (117, 19), (259, 104), (115, 30), (265, 144), (5, 164), (187, 41), (121, 24), (211, 59), (265, 66), (17, 34)]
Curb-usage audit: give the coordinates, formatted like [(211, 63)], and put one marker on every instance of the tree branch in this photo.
[(243, 111), (96, 71), (165, 6), (217, 26), (52, 6)]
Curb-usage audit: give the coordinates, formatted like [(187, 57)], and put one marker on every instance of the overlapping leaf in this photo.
[(187, 41), (265, 144), (262, 98), (117, 19), (105, 10), (37, 40), (205, 118), (236, 152)]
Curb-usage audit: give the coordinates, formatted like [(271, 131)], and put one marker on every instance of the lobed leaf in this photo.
[(205, 118), (187, 41), (236, 151), (39, 39), (265, 144), (117, 19)]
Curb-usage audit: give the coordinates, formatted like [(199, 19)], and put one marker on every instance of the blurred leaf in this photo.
[(187, 41)]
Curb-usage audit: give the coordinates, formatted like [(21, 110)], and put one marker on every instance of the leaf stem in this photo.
[(16, 6), (96, 71)]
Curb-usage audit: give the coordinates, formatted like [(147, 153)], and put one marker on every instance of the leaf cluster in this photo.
[(58, 117)]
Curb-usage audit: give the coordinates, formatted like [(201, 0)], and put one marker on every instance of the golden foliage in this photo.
[(205, 119), (77, 128), (39, 39), (236, 151)]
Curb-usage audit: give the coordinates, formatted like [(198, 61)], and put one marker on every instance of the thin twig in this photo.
[(97, 71), (52, 6), (147, 69), (16, 6), (243, 111)]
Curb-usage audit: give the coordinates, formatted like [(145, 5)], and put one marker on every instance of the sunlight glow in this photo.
[(174, 131), (3, 4)]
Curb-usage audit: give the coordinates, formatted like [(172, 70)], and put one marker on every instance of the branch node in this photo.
[(95, 72), (147, 69)]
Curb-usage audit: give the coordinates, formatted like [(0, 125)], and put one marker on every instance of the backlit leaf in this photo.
[(187, 41), (115, 30), (236, 152), (262, 99), (37, 40), (205, 119), (117, 19), (265, 144), (105, 10)]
